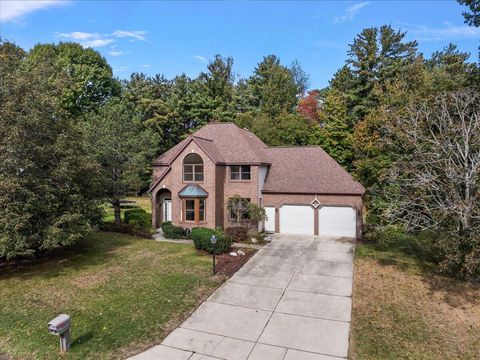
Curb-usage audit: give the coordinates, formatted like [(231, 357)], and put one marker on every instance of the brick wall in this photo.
[(173, 181)]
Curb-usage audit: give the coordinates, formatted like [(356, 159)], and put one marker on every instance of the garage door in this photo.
[(337, 221), (296, 219)]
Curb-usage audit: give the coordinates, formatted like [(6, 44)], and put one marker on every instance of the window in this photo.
[(194, 210), (240, 172), (193, 168)]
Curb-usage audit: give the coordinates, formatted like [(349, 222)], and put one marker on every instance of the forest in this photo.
[(404, 124)]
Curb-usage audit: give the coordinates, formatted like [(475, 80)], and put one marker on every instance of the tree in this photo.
[(244, 210), (450, 69), (215, 90), (308, 106), (377, 56), (123, 147), (334, 132), (89, 77), (437, 176), (47, 178), (300, 78), (274, 87), (11, 56), (472, 18), (284, 129)]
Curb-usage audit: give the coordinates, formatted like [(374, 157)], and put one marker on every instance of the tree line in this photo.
[(74, 136)]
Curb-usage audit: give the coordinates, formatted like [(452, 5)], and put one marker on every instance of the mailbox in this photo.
[(61, 326)]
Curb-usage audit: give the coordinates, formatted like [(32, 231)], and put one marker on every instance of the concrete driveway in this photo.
[(291, 301)]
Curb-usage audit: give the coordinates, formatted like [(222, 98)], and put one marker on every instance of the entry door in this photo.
[(270, 220), (167, 210)]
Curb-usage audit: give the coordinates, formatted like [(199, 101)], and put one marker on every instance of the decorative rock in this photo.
[(240, 252), (268, 238), (253, 240), (233, 253)]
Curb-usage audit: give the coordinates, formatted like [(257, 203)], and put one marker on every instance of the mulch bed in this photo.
[(228, 265)]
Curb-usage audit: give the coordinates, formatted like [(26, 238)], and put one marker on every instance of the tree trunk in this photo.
[(116, 211)]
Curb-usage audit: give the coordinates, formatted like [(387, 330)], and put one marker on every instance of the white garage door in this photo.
[(337, 221), (296, 219)]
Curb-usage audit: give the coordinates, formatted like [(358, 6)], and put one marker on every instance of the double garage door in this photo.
[(299, 219)]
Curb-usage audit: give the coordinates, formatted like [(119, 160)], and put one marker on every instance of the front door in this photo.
[(167, 210)]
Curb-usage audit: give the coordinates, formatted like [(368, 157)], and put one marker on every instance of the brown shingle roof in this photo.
[(307, 169), (225, 143)]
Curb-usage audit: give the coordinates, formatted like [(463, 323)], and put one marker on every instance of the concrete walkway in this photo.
[(291, 301)]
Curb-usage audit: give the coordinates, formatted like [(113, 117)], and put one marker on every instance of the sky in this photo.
[(171, 38)]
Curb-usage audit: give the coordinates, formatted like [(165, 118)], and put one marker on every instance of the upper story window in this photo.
[(240, 172), (192, 168)]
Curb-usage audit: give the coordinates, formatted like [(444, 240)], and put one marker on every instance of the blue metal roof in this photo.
[(192, 190)]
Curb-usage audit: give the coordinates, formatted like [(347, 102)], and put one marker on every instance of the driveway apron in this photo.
[(291, 301)]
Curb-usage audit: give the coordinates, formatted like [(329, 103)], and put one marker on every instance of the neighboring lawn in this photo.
[(403, 310), (124, 294), (141, 202)]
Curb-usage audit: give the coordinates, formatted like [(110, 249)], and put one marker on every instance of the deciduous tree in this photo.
[(47, 178)]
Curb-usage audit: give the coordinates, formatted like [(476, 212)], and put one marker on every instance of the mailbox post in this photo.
[(213, 240), (60, 326)]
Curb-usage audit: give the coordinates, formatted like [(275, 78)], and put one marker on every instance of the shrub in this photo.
[(201, 239), (138, 218), (171, 231), (124, 228), (237, 233), (459, 255)]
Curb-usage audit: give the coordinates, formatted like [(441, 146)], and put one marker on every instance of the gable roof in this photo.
[(307, 169), (224, 143)]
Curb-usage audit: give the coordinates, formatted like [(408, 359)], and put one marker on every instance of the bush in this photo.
[(237, 233), (138, 218), (459, 255), (124, 228), (201, 239), (171, 231)]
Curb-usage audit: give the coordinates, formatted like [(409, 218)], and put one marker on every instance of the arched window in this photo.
[(192, 168)]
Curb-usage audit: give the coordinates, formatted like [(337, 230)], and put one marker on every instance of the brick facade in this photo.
[(275, 172), (278, 200)]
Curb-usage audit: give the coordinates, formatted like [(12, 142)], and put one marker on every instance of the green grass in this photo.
[(402, 309), (123, 294), (142, 202), (407, 252)]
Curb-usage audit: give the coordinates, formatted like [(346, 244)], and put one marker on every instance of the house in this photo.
[(303, 190)]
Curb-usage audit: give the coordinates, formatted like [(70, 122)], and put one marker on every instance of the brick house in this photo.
[(302, 189)]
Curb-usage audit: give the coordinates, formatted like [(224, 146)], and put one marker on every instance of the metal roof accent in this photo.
[(192, 190)]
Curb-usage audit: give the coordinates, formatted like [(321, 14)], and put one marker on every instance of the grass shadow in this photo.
[(96, 249), (82, 339)]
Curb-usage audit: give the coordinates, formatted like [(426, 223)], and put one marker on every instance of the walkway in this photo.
[(291, 301)]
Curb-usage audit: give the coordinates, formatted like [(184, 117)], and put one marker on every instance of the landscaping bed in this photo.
[(228, 265)]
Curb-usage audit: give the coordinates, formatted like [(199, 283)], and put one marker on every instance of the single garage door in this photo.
[(296, 219), (337, 221)]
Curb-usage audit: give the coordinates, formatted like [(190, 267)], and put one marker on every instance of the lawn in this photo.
[(142, 202), (403, 310), (124, 294)]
